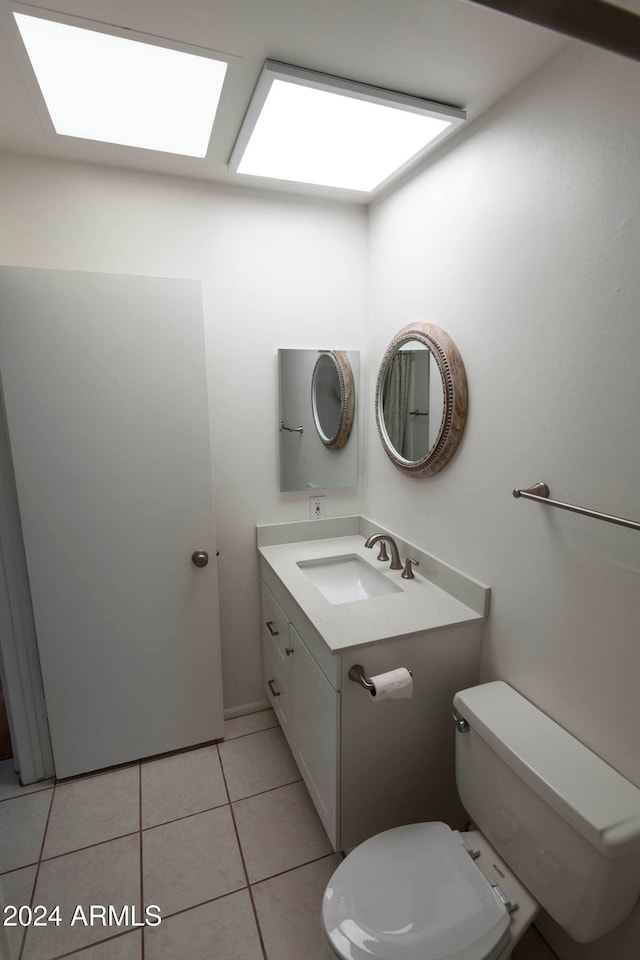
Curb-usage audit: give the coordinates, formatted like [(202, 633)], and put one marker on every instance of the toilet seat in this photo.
[(413, 893)]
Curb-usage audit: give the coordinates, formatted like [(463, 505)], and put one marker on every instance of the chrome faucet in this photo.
[(382, 538)]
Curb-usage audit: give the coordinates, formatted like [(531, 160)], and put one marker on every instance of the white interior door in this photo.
[(105, 391)]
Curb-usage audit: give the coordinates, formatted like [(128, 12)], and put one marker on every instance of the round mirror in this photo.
[(421, 399), (332, 398)]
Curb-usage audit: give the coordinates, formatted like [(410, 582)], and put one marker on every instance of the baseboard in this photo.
[(246, 708)]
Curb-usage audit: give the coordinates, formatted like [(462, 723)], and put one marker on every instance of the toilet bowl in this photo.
[(556, 826)]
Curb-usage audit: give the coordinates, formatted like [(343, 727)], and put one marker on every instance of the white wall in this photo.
[(276, 272), (522, 241)]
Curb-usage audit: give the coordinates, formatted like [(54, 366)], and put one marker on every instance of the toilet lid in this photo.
[(413, 893)]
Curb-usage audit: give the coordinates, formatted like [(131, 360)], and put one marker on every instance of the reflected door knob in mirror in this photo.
[(200, 558)]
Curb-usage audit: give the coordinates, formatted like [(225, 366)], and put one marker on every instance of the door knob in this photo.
[(200, 558)]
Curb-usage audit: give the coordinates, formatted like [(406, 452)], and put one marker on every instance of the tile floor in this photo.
[(224, 839)]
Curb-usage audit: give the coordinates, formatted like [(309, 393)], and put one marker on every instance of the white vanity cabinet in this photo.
[(369, 764)]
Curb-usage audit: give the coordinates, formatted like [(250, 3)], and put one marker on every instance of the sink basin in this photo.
[(346, 578)]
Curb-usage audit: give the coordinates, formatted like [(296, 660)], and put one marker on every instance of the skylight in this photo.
[(307, 127), (98, 86)]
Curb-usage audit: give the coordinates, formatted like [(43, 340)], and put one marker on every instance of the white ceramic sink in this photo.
[(346, 578)]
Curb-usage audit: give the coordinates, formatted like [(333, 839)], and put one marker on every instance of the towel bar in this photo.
[(540, 492)]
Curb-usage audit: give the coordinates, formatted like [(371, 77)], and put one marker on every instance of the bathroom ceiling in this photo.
[(452, 51)]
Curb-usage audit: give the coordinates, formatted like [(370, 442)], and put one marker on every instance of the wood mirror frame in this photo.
[(454, 385)]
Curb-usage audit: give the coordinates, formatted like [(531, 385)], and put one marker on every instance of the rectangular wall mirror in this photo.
[(318, 419)]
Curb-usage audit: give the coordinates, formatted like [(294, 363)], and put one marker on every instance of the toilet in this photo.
[(556, 827)]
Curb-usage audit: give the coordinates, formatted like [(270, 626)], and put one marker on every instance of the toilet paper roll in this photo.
[(393, 685)]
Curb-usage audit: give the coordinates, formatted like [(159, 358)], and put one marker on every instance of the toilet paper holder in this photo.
[(357, 674)]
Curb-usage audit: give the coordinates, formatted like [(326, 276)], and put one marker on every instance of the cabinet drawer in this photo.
[(275, 623)]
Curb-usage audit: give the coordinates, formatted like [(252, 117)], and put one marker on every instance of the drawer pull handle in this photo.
[(275, 692), (269, 626), (288, 651)]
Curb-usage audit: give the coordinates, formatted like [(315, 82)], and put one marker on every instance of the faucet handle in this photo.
[(407, 573), (383, 555)]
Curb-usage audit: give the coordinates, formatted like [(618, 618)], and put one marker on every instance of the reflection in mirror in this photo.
[(412, 400), (317, 403), (332, 399), (421, 399)]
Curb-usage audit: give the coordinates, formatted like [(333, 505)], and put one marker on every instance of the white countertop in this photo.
[(419, 607)]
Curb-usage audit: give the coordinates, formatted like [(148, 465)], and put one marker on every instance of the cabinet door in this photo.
[(316, 708)]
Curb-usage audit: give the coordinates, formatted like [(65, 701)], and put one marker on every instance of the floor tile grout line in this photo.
[(249, 733), (27, 793), (23, 939), (100, 772), (89, 846), (187, 816), (244, 865), (181, 751), (203, 903), (250, 893), (281, 873), (7, 873), (46, 826), (259, 793)]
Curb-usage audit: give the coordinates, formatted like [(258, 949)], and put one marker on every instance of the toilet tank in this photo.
[(565, 821)]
